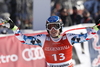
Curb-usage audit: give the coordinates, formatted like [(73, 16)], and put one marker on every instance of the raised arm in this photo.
[(30, 40), (78, 38)]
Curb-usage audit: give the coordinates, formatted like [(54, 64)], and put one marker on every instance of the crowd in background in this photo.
[(72, 12), (77, 12), (20, 11)]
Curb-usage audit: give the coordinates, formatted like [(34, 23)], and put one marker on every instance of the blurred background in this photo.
[(28, 14), (72, 12)]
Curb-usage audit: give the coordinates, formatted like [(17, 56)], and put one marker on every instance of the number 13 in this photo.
[(60, 55)]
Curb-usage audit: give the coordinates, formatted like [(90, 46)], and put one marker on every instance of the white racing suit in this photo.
[(58, 52)]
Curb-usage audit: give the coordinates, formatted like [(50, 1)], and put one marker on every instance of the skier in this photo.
[(57, 47)]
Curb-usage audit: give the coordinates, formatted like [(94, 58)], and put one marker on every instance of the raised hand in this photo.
[(98, 24), (7, 22)]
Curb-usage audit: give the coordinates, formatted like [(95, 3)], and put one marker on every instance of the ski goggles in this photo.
[(56, 26)]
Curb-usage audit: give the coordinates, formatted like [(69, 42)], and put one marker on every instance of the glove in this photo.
[(7, 22), (98, 24)]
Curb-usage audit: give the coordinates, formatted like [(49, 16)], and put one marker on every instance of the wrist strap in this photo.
[(95, 28), (14, 28)]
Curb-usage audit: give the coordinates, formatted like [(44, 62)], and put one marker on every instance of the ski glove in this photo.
[(97, 26), (7, 22)]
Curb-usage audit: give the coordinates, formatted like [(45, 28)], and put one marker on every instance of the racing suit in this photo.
[(58, 51)]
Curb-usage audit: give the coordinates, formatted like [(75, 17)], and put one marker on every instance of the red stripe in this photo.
[(17, 34), (22, 41), (93, 33), (88, 39), (74, 29), (99, 24)]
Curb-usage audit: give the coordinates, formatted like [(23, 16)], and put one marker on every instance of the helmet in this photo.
[(56, 21)]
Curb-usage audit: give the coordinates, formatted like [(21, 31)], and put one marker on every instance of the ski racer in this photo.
[(57, 47)]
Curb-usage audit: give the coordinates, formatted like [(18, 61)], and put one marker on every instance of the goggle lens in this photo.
[(56, 26)]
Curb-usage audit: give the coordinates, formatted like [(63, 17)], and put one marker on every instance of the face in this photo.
[(54, 32), (64, 12), (53, 29)]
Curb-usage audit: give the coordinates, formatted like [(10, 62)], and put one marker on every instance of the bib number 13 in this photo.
[(61, 55)]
